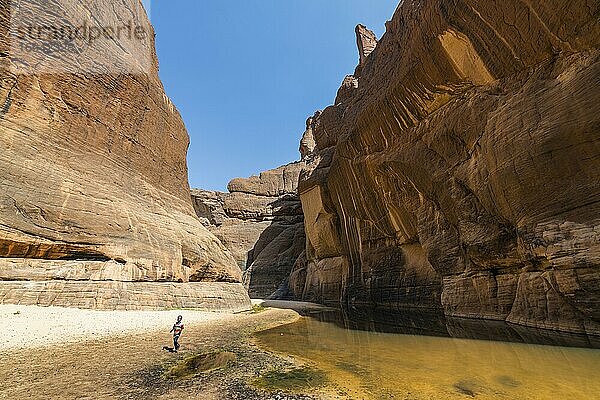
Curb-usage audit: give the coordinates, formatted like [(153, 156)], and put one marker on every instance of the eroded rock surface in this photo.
[(94, 201), (260, 221), (366, 42), (459, 167)]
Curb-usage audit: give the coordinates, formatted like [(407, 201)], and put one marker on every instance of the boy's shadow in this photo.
[(169, 349)]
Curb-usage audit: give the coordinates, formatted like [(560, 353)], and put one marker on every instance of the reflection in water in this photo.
[(429, 357), (430, 323)]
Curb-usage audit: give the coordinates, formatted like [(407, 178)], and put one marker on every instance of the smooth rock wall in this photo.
[(93, 167)]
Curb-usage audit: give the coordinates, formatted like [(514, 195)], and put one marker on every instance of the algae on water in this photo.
[(199, 363), (257, 308), (294, 379)]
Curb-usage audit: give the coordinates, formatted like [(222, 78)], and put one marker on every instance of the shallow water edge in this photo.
[(428, 356)]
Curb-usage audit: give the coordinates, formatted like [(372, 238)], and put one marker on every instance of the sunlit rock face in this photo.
[(260, 221), (459, 167), (94, 199)]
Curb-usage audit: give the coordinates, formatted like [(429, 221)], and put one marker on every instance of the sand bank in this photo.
[(33, 326), (55, 353)]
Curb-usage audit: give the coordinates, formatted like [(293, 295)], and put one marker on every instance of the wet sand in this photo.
[(95, 355)]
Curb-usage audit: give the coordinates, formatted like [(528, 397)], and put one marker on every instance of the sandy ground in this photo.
[(55, 353), (31, 326)]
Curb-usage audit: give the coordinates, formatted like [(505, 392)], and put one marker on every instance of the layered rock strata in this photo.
[(260, 221), (458, 168), (95, 206)]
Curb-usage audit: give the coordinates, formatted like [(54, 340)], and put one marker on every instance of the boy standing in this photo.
[(177, 329)]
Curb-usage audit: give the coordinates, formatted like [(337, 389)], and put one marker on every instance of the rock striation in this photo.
[(95, 206), (458, 169), (260, 221)]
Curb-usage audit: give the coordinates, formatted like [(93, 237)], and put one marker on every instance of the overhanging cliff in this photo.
[(459, 167)]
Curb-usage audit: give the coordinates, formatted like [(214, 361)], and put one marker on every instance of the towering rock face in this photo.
[(458, 168), (260, 221), (95, 206)]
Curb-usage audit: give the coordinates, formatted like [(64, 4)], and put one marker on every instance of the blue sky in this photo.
[(246, 74)]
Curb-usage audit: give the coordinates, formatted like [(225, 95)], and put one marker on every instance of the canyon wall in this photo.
[(95, 206), (260, 221), (459, 167)]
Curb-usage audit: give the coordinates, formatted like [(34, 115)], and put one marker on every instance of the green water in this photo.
[(371, 365)]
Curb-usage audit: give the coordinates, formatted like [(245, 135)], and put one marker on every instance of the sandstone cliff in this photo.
[(459, 167), (260, 221), (95, 206)]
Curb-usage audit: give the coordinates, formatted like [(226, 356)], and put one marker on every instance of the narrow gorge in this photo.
[(436, 234), (261, 222), (457, 171)]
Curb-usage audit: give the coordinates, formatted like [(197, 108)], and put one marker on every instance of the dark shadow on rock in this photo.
[(272, 258), (431, 323)]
